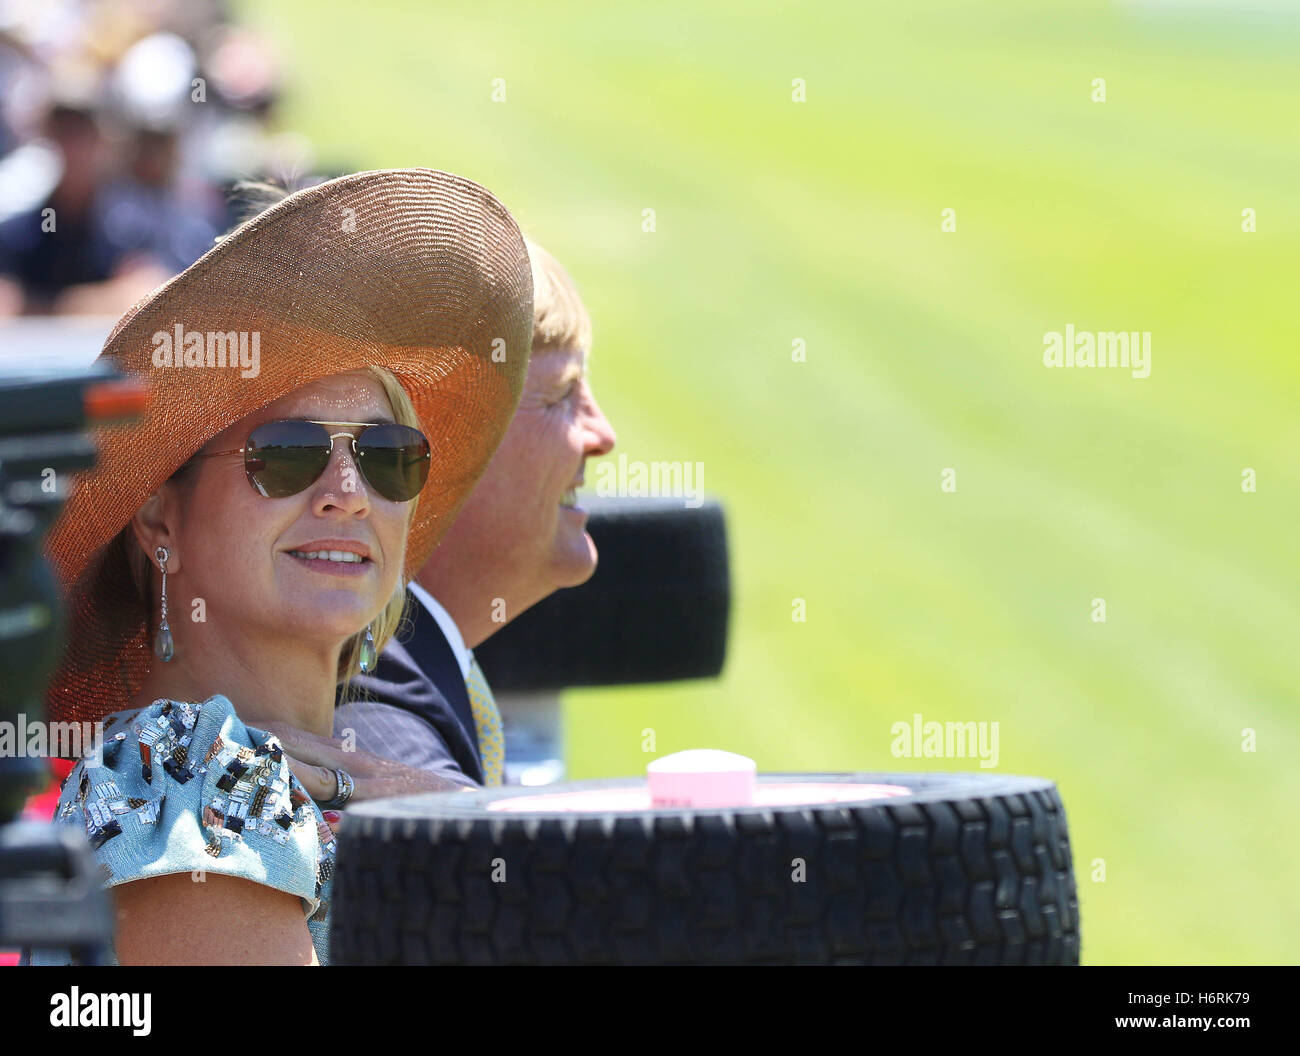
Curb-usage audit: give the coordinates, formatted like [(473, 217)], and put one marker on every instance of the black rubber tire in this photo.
[(967, 869)]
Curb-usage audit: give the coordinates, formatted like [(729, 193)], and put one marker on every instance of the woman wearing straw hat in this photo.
[(244, 548)]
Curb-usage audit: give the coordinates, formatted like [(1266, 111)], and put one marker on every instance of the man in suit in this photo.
[(519, 537)]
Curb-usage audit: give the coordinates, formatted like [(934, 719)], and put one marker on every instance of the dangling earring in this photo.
[(163, 648), (366, 656)]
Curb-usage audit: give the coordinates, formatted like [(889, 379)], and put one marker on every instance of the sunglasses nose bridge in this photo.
[(350, 454)]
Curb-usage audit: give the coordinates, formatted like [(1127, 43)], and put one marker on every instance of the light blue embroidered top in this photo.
[(188, 788)]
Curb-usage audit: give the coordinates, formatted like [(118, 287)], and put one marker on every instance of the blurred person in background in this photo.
[(59, 255), (130, 122)]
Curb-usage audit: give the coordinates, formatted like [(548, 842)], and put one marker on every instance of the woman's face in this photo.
[(246, 555)]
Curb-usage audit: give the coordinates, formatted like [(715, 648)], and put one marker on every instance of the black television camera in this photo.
[(50, 894)]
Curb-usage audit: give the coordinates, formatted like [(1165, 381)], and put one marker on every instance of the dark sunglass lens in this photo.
[(283, 458), (394, 459)]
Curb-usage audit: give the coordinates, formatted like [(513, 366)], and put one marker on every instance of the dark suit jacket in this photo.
[(414, 707)]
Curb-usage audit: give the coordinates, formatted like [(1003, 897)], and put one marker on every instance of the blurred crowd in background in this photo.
[(123, 126)]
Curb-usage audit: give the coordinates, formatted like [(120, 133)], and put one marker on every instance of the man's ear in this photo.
[(154, 526)]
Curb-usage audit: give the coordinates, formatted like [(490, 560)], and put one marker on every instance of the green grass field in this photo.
[(821, 220)]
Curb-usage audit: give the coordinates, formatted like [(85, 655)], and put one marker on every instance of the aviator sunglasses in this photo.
[(284, 457)]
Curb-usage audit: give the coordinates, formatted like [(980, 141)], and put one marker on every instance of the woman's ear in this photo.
[(154, 526)]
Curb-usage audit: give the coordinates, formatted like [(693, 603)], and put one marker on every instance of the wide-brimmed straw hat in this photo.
[(418, 271)]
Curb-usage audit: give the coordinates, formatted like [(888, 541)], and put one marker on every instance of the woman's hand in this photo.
[(313, 760)]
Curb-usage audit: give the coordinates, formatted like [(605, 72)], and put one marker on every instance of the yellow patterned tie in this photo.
[(487, 724)]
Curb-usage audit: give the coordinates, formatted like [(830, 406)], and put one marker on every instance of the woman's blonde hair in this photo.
[(382, 628)]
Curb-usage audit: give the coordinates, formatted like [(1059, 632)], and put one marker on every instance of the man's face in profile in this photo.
[(522, 520)]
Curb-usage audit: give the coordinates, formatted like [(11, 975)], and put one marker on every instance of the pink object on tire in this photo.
[(702, 777)]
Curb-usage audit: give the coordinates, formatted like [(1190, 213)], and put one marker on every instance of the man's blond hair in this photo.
[(560, 319)]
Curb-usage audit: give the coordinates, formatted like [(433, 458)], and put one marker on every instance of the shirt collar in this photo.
[(445, 624)]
